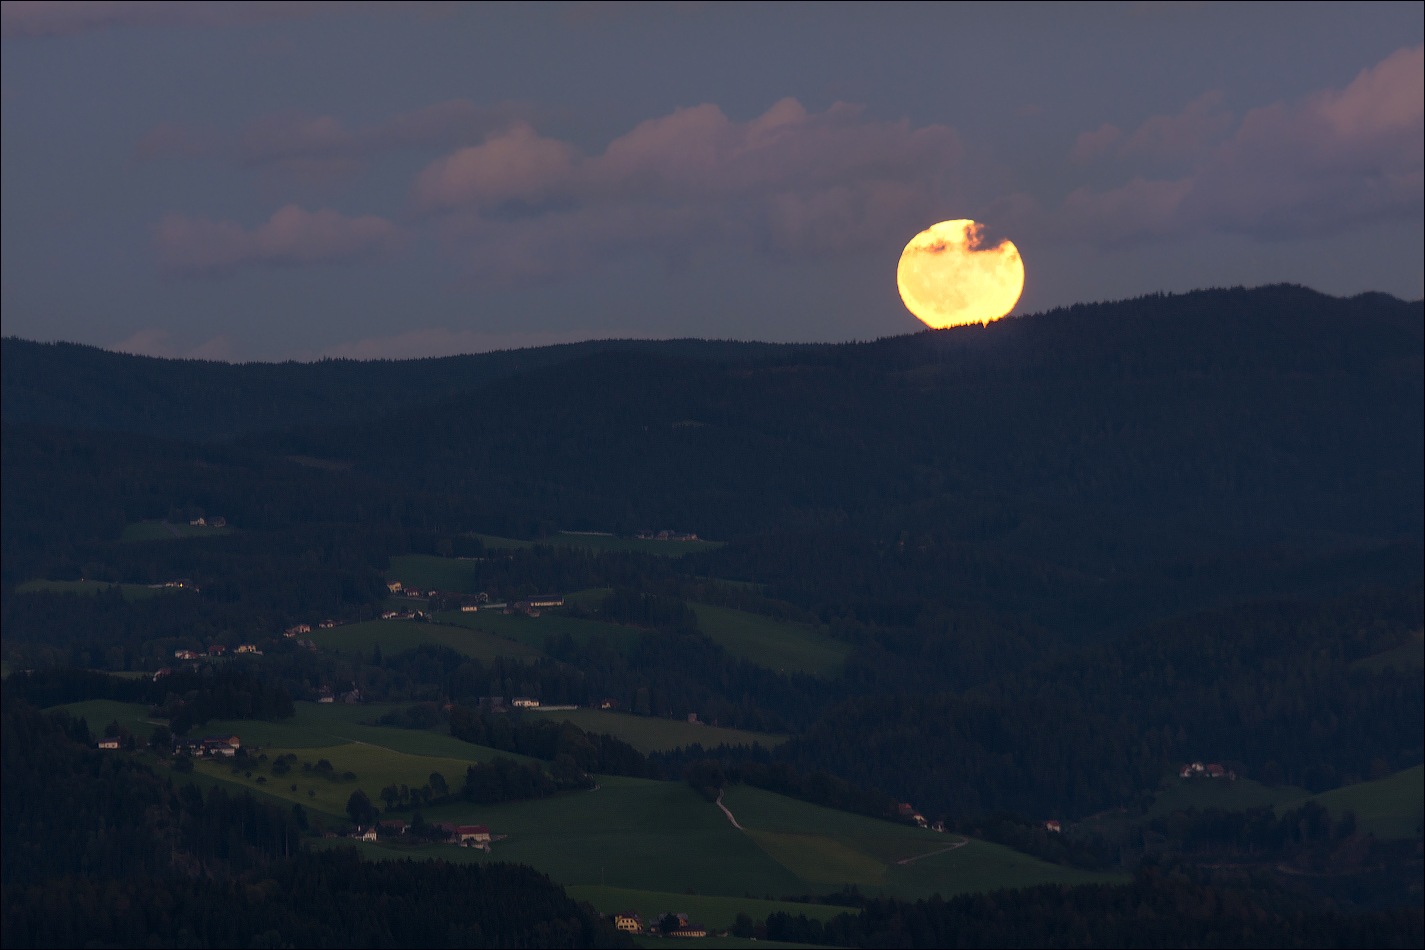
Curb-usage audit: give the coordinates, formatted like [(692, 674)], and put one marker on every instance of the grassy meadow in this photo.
[(649, 734), (394, 636), (628, 843), (774, 644), (1387, 808)]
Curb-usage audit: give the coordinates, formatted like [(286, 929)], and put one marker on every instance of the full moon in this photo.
[(947, 279)]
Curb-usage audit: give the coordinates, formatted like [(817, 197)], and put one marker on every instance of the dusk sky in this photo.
[(297, 180)]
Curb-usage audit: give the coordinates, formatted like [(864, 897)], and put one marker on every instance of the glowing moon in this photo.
[(947, 279)]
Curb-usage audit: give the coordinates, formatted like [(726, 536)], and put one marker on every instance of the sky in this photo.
[(275, 181)]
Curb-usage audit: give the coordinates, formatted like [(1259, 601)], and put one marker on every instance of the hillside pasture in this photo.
[(1404, 658), (430, 572), (773, 644), (650, 734), (395, 636), (827, 848), (1229, 795), (1389, 808)]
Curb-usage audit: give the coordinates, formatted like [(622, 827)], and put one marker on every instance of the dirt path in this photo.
[(959, 844), (728, 813)]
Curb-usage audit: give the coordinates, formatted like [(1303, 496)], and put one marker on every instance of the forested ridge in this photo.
[(1062, 555)]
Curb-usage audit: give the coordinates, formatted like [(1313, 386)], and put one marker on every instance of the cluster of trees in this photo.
[(505, 780), (551, 741), (327, 899), (68, 809), (713, 770), (1163, 907), (185, 698)]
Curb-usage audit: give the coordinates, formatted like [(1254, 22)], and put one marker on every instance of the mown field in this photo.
[(163, 531), (129, 591), (774, 644), (650, 734), (394, 636)]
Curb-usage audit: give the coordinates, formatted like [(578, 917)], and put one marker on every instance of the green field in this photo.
[(98, 713), (1203, 793), (828, 848), (774, 644), (602, 542), (1388, 808), (534, 632), (1406, 657), (629, 842), (434, 573), (163, 531), (394, 636), (650, 734), (130, 591)]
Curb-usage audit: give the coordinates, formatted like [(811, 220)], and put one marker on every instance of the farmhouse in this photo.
[(1212, 770), (1052, 825), (689, 930), (299, 628), (394, 587), (368, 835), (186, 655), (217, 649), (472, 836), (110, 743), (524, 702), (629, 922), (249, 648)]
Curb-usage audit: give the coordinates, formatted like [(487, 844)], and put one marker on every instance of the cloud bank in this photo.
[(787, 182), (1334, 160), (292, 236)]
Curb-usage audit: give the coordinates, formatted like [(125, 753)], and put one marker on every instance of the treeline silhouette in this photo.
[(97, 850), (1163, 907), (185, 698)]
